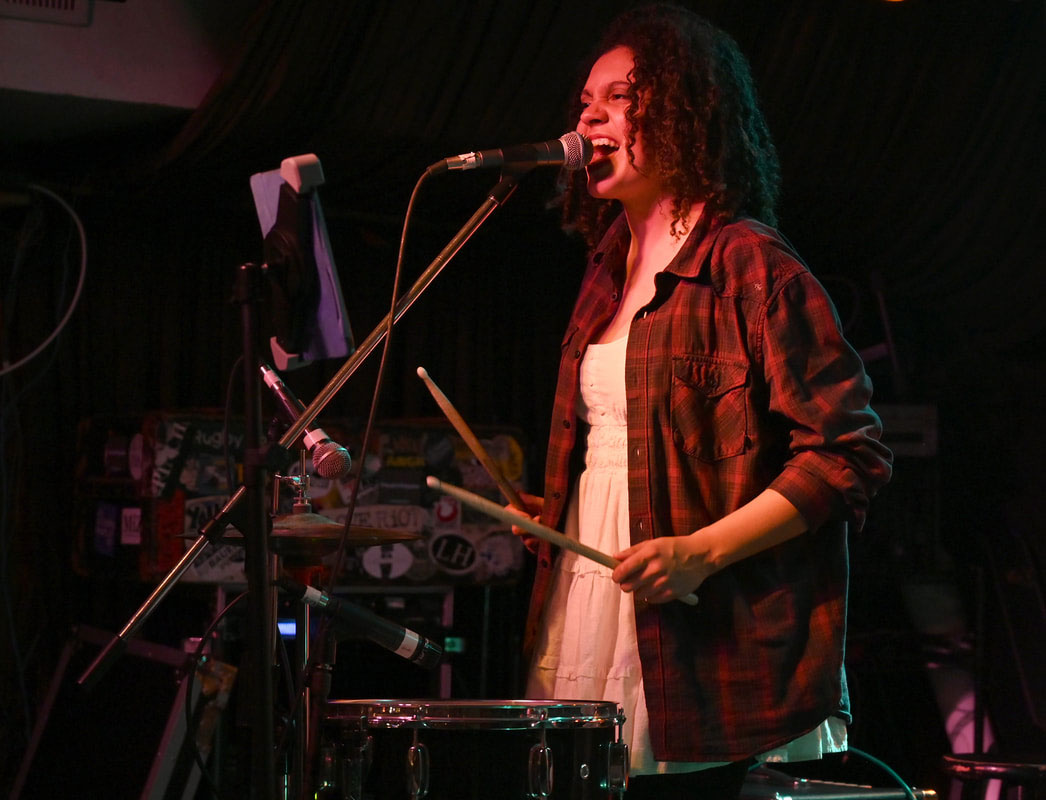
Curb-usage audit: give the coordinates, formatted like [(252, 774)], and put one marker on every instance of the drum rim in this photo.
[(486, 714)]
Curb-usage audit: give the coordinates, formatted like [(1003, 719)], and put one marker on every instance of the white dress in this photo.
[(588, 649)]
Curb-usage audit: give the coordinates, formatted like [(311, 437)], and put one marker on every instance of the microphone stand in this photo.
[(261, 608), (254, 526)]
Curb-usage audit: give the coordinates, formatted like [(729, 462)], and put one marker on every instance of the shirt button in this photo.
[(566, 424), (615, 296), (556, 495), (577, 354), (637, 451)]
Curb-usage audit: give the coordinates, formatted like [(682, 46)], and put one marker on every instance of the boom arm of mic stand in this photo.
[(118, 644), (495, 198), (112, 651), (210, 532)]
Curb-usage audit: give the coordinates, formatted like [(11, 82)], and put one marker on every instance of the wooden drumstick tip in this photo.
[(423, 374)]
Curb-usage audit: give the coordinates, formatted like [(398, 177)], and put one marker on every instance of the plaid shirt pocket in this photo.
[(709, 414)]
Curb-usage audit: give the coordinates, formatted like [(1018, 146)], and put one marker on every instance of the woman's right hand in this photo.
[(534, 507)]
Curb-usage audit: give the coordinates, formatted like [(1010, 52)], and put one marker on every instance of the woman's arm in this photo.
[(667, 567)]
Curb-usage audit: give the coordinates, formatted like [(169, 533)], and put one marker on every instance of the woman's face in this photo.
[(604, 102)]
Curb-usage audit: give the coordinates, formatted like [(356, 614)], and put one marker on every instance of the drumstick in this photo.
[(531, 526), (470, 439)]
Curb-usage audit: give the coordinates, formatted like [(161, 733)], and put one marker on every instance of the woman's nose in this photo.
[(593, 113)]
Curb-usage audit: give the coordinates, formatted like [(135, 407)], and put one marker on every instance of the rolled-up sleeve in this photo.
[(818, 385)]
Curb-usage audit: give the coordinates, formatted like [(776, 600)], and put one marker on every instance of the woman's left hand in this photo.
[(667, 567), (663, 569)]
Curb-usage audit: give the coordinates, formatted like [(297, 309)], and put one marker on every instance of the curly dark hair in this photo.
[(700, 122)]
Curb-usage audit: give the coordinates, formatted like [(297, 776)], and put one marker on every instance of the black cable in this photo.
[(338, 562), (234, 372), (33, 230), (295, 690), (10, 429), (74, 302), (340, 555), (194, 662)]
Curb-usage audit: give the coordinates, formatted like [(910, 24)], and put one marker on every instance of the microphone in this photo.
[(401, 641), (329, 458), (571, 151)]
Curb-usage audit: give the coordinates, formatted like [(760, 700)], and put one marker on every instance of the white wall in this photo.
[(164, 52)]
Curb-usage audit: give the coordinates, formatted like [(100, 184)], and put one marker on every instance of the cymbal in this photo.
[(316, 526), (308, 536)]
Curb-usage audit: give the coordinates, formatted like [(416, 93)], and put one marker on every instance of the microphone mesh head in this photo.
[(577, 150), (331, 461)]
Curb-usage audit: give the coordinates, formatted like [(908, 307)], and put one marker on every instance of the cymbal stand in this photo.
[(312, 660), (299, 717)]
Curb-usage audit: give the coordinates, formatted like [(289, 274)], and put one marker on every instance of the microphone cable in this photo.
[(909, 793), (195, 659), (338, 562)]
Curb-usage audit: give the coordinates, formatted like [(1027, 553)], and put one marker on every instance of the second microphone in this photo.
[(329, 459)]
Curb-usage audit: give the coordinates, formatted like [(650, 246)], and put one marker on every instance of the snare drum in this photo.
[(472, 749)]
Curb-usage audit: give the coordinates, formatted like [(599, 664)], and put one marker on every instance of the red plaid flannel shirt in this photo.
[(737, 379)]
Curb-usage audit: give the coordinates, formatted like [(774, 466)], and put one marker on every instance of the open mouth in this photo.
[(603, 147)]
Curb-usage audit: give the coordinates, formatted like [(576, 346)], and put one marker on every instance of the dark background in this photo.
[(910, 135)]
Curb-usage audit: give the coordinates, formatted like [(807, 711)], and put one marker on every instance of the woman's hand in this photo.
[(663, 569), (534, 505), (667, 567)]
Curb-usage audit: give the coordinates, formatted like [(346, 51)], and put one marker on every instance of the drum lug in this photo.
[(327, 783), (617, 768), (578, 734), (418, 770), (539, 772), (355, 765), (616, 781)]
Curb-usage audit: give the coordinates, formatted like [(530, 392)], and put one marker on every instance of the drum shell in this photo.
[(475, 749)]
